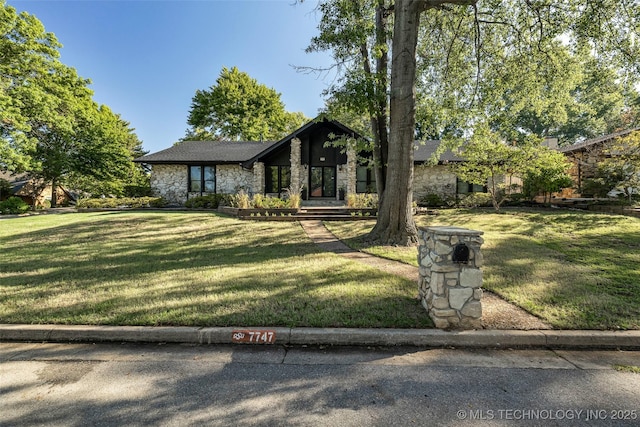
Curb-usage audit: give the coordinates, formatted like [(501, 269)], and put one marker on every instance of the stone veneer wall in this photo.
[(232, 178), (170, 182), (450, 291), (352, 164), (258, 179), (295, 160), (342, 179), (433, 180)]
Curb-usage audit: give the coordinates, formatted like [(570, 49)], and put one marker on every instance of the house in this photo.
[(33, 191), (585, 158), (302, 160)]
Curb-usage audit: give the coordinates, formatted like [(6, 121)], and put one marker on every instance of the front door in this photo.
[(323, 181)]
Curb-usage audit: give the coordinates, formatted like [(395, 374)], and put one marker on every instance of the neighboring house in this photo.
[(585, 158), (31, 190), (302, 160)]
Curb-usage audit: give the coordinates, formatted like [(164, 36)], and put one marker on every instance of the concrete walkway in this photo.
[(496, 312)]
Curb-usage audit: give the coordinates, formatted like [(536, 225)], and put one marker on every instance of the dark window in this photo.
[(277, 178), (365, 180), (202, 179), (465, 187)]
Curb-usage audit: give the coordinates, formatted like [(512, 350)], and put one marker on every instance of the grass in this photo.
[(627, 368), (576, 270), (161, 268)]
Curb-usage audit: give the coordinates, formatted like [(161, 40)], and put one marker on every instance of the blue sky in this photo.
[(147, 58)]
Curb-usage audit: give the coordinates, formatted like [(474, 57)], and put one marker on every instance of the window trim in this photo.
[(201, 179), (369, 182), (279, 183), (471, 188)]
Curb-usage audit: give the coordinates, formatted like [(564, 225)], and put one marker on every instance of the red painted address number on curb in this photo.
[(254, 337)]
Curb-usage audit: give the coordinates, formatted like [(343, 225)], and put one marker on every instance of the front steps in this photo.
[(324, 213)]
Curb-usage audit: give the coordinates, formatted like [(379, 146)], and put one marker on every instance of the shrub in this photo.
[(474, 200), (240, 200), (294, 198), (267, 202), (13, 205), (362, 200), (122, 202), (210, 201), (137, 190), (434, 200)]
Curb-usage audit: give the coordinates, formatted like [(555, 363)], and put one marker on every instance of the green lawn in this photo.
[(576, 270), (162, 268)]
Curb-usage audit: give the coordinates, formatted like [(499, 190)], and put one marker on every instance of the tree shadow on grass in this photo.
[(196, 270)]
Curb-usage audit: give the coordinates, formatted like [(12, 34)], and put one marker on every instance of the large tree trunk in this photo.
[(395, 223), (54, 193), (381, 149)]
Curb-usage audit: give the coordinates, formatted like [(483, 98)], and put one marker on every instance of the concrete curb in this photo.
[(328, 336)]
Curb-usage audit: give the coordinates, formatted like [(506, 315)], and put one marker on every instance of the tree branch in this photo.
[(433, 4)]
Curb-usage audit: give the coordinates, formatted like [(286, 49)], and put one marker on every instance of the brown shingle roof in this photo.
[(589, 142)]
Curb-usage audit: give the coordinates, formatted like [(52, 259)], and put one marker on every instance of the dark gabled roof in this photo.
[(300, 131), (425, 149), (207, 152), (246, 153), (17, 181), (593, 141)]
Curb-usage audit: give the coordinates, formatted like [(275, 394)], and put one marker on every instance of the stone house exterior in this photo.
[(585, 158), (302, 160)]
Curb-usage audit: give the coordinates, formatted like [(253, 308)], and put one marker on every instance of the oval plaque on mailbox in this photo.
[(460, 254)]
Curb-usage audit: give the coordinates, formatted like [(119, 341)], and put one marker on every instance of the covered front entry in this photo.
[(322, 181)]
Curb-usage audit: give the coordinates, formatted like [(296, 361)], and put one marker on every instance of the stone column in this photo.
[(258, 178), (352, 163), (296, 164), (450, 277)]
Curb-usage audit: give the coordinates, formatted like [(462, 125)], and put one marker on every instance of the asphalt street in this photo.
[(248, 385)]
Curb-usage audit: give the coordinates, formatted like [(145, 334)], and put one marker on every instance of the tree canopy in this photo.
[(238, 108), (50, 126), (490, 161), (525, 67)]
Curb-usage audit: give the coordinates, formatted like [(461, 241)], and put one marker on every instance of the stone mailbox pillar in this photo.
[(450, 276)]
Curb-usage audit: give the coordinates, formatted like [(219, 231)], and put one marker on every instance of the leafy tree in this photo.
[(472, 32), (490, 161), (5, 189), (623, 165), (28, 59), (237, 107), (49, 124), (110, 144), (572, 96), (548, 173)]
